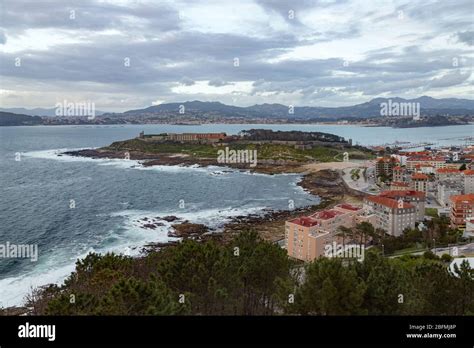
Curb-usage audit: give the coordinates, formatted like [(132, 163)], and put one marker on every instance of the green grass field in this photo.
[(264, 151), (433, 212)]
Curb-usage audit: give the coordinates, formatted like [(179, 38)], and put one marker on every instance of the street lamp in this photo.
[(434, 246), (383, 250)]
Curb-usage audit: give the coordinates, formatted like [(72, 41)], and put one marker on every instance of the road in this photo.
[(362, 184)]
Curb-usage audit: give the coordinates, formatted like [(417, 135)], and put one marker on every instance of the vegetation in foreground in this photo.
[(435, 232), (250, 276)]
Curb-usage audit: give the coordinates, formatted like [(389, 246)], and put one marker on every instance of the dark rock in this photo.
[(186, 229), (170, 218)]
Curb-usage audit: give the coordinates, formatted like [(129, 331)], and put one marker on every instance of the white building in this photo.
[(469, 231), (468, 181), (391, 215), (446, 189)]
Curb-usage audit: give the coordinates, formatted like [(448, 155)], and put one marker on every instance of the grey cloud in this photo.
[(167, 54), (87, 14), (187, 81), (466, 37), (218, 83), (450, 79)]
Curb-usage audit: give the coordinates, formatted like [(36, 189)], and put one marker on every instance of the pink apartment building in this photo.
[(306, 236)]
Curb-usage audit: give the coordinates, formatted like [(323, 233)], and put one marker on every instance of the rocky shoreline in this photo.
[(172, 159), (326, 184)]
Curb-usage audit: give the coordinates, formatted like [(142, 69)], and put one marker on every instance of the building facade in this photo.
[(419, 182), (184, 137), (392, 216), (445, 190), (468, 181), (306, 236), (460, 209), (384, 166), (416, 198)]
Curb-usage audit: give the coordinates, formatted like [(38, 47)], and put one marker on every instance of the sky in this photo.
[(124, 55)]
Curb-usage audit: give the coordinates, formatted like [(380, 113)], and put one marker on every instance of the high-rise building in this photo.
[(306, 236), (391, 215), (416, 198), (468, 181), (460, 209), (419, 182)]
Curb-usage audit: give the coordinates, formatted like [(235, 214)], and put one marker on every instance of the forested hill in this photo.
[(11, 119)]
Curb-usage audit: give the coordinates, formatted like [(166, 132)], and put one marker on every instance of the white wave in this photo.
[(58, 154), (60, 265), (214, 218), (216, 171), (13, 290)]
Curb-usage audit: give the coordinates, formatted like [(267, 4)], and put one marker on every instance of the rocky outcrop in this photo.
[(187, 229)]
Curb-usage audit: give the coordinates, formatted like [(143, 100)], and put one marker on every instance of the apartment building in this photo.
[(384, 166), (446, 189), (399, 186), (300, 237), (448, 173), (436, 162), (306, 236), (399, 174), (469, 231), (416, 198), (461, 209), (184, 137), (391, 215), (468, 181), (419, 182)]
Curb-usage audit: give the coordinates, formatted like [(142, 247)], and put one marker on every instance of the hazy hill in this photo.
[(11, 119), (38, 111), (429, 106)]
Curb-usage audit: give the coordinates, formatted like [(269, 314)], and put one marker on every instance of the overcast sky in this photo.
[(129, 54)]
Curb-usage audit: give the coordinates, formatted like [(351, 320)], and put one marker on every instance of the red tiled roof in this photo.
[(447, 170), (305, 221), (414, 153), (468, 172), (348, 206), (469, 198), (398, 168), (387, 159), (388, 202), (326, 214), (426, 159), (419, 176)]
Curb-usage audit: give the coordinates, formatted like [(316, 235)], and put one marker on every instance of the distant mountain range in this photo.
[(38, 111), (197, 111), (12, 119), (429, 106)]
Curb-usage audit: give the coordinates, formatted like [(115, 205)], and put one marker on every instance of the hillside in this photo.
[(11, 119), (428, 106)]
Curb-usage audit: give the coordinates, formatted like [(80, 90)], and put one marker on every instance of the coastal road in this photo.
[(364, 183)]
